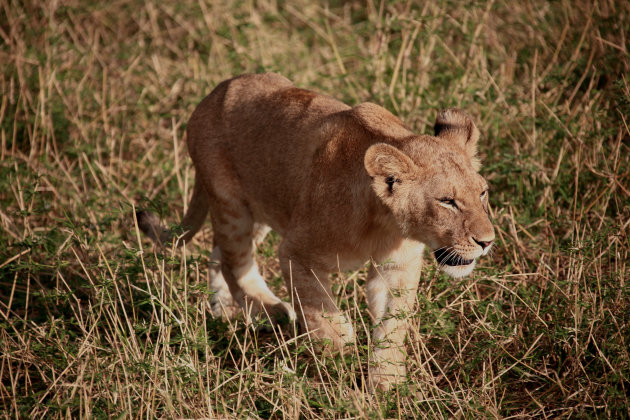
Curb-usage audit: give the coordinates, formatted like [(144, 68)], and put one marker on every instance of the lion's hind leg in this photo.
[(222, 303), (234, 235)]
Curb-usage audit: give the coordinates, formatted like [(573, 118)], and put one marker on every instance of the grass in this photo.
[(95, 97)]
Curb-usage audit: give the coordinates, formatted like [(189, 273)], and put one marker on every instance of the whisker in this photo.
[(440, 265), (448, 256)]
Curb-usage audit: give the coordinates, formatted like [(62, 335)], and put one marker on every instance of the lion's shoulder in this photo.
[(380, 121)]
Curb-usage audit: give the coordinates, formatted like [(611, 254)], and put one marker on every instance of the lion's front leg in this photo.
[(391, 292), (314, 303)]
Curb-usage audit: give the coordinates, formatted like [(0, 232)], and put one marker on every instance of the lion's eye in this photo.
[(484, 194), (449, 202)]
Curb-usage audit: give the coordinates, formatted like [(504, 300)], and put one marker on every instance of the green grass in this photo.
[(95, 98)]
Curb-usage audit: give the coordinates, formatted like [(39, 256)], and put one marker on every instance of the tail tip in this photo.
[(147, 222)]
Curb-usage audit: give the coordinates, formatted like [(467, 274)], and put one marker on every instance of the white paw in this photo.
[(222, 305), (289, 311)]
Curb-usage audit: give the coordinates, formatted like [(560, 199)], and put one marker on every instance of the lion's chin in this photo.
[(459, 270)]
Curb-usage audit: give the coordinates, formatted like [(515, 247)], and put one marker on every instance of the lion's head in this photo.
[(432, 188)]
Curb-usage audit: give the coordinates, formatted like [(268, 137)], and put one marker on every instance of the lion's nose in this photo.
[(483, 244)]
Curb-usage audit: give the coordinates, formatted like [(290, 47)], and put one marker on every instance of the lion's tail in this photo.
[(150, 224)]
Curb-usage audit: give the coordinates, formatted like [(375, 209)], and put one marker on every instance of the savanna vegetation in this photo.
[(95, 96)]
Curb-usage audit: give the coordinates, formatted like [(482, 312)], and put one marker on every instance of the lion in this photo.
[(342, 186)]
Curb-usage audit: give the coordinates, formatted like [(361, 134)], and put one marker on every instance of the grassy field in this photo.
[(94, 102)]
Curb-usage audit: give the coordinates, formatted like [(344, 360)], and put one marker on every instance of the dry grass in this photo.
[(95, 98)]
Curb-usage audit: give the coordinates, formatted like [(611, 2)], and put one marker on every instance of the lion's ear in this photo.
[(455, 125), (387, 166)]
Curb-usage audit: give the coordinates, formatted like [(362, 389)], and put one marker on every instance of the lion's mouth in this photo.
[(446, 257)]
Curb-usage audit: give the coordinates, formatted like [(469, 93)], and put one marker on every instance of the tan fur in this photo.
[(342, 186)]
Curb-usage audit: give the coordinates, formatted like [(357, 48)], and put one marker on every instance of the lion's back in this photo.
[(268, 131)]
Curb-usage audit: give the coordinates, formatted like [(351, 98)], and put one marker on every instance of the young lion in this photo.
[(342, 186)]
